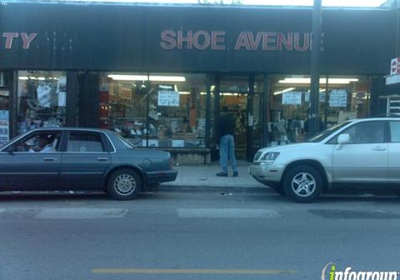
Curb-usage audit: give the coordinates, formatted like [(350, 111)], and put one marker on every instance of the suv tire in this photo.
[(303, 183)]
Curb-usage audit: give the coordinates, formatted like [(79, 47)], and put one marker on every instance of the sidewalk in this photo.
[(202, 177)]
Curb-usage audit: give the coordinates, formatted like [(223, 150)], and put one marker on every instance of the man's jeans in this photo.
[(227, 151)]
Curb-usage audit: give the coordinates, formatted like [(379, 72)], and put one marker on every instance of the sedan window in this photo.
[(85, 142), (44, 142)]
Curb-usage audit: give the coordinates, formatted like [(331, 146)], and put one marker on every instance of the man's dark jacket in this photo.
[(226, 125)]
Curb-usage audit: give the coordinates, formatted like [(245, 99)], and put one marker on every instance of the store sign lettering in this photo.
[(13, 36), (203, 40), (273, 41), (199, 40), (246, 40)]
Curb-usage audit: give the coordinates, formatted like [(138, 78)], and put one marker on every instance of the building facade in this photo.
[(159, 74)]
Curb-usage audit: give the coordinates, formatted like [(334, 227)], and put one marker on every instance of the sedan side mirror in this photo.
[(11, 150)]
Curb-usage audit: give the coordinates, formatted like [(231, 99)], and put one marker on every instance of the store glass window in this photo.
[(4, 111), (41, 99), (256, 121), (340, 98), (213, 111), (233, 95), (155, 109)]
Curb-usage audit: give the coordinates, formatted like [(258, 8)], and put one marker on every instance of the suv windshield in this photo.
[(323, 134)]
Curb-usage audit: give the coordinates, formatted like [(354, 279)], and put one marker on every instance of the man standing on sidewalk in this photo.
[(225, 135)]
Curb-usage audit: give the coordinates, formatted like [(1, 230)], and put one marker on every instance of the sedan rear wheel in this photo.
[(303, 183), (124, 184)]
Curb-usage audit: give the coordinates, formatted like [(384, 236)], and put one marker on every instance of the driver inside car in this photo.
[(44, 145)]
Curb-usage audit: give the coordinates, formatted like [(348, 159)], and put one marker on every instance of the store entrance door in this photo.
[(234, 93)]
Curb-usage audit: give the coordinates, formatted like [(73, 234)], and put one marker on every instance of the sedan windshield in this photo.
[(323, 134)]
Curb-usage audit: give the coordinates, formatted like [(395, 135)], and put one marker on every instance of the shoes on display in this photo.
[(222, 174)]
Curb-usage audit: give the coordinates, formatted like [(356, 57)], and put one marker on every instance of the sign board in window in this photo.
[(291, 98), (395, 66), (168, 98), (321, 96), (338, 98)]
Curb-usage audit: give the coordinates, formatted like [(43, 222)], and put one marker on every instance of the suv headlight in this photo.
[(269, 157)]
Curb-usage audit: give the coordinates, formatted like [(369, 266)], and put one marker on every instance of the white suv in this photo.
[(359, 152)]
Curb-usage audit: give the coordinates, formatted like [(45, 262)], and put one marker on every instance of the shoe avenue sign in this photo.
[(246, 40)]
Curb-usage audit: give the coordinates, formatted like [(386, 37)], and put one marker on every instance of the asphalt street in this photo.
[(194, 235)]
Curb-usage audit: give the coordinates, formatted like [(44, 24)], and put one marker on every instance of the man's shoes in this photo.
[(235, 174), (222, 174)]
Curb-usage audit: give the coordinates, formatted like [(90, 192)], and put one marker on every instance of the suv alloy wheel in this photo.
[(303, 183)]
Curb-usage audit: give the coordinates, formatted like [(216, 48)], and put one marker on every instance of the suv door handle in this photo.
[(379, 149)]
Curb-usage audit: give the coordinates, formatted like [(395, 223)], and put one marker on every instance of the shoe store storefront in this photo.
[(159, 74)]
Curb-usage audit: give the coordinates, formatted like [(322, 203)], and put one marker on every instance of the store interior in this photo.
[(170, 110), (340, 98)]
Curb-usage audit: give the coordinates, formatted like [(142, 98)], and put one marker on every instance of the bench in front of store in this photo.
[(195, 155)]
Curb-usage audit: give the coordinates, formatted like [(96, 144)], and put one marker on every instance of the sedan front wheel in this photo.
[(124, 184), (303, 183)]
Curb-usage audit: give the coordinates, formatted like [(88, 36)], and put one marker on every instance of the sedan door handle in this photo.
[(379, 149), (102, 158), (49, 159)]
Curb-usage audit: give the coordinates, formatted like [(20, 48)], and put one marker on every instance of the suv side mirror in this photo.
[(343, 139)]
